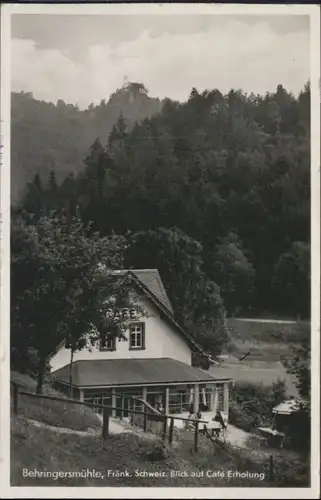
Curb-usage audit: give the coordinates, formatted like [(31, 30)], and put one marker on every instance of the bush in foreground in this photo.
[(252, 403)]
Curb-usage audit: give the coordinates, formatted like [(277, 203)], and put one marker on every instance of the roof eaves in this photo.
[(64, 382), (161, 285), (150, 384)]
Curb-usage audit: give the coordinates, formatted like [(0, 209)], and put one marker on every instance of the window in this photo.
[(137, 336), (108, 344)]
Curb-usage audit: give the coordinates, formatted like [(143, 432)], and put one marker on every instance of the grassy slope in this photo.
[(45, 450), (269, 344), (55, 413), (42, 449), (266, 341), (32, 448), (265, 376)]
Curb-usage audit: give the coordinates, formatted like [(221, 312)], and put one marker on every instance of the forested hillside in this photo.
[(212, 191), (47, 136)]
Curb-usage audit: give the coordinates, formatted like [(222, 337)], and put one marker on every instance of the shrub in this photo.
[(289, 473), (156, 451), (252, 403), (301, 420), (154, 423), (240, 418)]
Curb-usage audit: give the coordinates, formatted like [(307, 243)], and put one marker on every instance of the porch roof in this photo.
[(123, 372)]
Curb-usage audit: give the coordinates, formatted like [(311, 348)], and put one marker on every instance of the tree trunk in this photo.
[(41, 375), (70, 370)]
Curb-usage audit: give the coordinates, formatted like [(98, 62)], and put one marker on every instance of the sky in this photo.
[(83, 59)]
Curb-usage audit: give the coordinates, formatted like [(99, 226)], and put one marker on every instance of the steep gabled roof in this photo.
[(151, 279)]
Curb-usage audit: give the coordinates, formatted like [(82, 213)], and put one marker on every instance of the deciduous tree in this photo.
[(61, 287)]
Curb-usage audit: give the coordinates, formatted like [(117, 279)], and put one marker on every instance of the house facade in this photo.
[(154, 363)]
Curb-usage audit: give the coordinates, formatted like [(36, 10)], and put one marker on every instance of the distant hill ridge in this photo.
[(47, 136)]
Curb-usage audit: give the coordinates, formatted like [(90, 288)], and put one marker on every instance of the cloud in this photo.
[(235, 55)]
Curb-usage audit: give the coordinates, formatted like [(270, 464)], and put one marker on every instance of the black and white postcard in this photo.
[(160, 250)]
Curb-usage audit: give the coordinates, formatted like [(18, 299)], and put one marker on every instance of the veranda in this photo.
[(175, 399)]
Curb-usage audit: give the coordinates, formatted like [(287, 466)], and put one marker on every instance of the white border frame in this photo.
[(154, 9)]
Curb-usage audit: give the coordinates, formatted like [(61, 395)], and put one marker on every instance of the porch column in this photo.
[(113, 401), (215, 405), (225, 398), (81, 395), (144, 393), (212, 398), (204, 400), (196, 398), (166, 406)]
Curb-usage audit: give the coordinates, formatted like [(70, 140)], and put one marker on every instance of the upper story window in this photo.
[(108, 344), (137, 336)]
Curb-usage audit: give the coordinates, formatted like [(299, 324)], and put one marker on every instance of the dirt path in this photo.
[(237, 437), (120, 427), (262, 320), (116, 426), (61, 430)]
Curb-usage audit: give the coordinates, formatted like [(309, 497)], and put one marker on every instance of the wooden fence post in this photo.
[(196, 437), (145, 420), (122, 406), (164, 428), (105, 423), (15, 398), (133, 407), (271, 468), (171, 428)]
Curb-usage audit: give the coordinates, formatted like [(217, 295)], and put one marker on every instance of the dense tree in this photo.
[(252, 403), (292, 278), (47, 136), (34, 201), (60, 291), (234, 274), (195, 297), (300, 366), (212, 166)]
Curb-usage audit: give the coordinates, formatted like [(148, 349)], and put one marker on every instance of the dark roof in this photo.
[(113, 372), (151, 279)]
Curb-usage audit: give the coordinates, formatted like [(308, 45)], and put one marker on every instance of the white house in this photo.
[(155, 363)]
